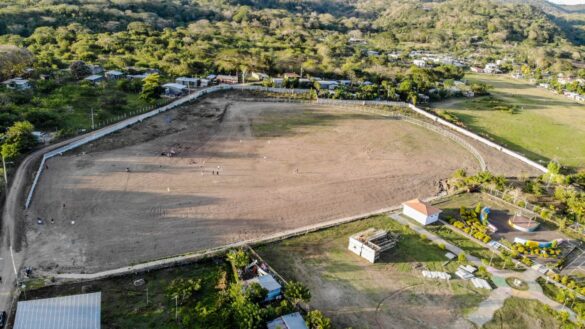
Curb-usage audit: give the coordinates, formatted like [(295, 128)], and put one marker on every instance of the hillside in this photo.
[(188, 37)]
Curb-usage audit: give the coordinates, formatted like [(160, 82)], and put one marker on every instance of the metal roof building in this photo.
[(69, 312), (289, 321)]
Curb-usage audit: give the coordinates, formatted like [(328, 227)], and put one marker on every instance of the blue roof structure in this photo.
[(69, 312), (289, 321)]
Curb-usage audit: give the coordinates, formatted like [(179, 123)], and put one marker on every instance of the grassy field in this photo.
[(125, 306), (519, 313), (356, 293), (542, 125)]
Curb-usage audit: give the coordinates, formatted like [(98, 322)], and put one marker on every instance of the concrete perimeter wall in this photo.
[(131, 121)]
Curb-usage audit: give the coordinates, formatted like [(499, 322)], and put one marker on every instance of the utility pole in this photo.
[(176, 308), (5, 179), (146, 295)]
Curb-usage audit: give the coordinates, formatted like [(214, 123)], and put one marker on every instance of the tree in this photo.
[(79, 70), (238, 258), (19, 138), (462, 258), (151, 89), (297, 292), (316, 320)]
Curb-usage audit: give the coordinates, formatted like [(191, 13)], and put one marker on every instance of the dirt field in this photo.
[(388, 294), (281, 166)]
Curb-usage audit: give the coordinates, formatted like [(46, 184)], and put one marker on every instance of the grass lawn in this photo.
[(355, 293), (546, 126), (125, 306), (519, 313)]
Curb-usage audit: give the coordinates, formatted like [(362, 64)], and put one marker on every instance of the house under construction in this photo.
[(371, 243)]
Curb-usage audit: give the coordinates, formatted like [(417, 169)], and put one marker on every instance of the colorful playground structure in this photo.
[(539, 244), (483, 217)]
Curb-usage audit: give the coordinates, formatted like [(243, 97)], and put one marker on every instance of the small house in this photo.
[(305, 83), (188, 82), (476, 69), (370, 243), (174, 89), (420, 211), (227, 79), (327, 84), (345, 83), (419, 62), (289, 321), (94, 78), (373, 53), (114, 75), (17, 84), (269, 283)]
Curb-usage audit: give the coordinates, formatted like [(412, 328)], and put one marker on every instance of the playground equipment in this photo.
[(522, 223), (483, 218), (539, 244)]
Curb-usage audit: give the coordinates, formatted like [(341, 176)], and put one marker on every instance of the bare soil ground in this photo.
[(280, 165)]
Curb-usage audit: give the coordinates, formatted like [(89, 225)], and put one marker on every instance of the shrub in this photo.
[(423, 237), (461, 257), (442, 246)]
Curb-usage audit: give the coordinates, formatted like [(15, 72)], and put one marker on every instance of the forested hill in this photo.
[(187, 36)]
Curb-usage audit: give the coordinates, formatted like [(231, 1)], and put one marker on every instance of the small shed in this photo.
[(370, 243), (269, 283), (420, 211), (94, 78), (289, 321), (327, 84)]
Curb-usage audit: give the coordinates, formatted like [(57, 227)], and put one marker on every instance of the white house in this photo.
[(421, 211), (95, 69), (419, 62), (370, 243)]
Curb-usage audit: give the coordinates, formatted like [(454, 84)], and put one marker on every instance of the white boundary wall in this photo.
[(131, 121)]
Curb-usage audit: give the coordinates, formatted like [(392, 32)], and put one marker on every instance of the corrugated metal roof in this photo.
[(70, 312)]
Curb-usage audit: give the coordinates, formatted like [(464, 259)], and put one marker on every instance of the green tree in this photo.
[(151, 89), (238, 258), (297, 292), (316, 320), (79, 70), (18, 139)]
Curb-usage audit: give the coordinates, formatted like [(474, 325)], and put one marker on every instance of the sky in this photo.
[(568, 2)]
